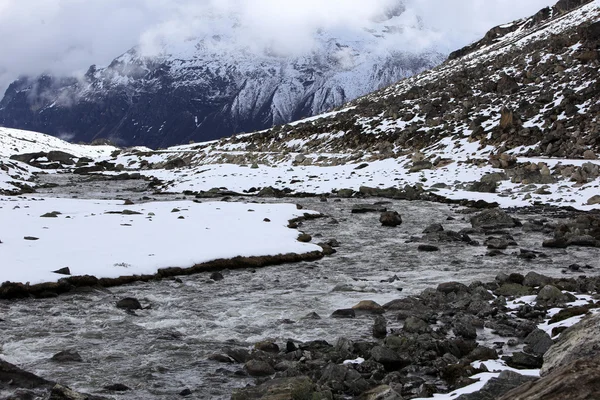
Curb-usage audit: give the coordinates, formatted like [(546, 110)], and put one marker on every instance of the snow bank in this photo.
[(88, 239), (16, 141)]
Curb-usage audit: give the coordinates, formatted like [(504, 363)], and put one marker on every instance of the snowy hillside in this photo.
[(515, 121), (214, 86)]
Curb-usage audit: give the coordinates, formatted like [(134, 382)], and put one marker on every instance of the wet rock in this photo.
[(222, 358), (368, 307), (580, 341), (452, 287), (117, 387), (344, 313), (493, 219), (428, 248), (129, 303), (312, 315), (533, 279), (382, 392), (434, 228), (367, 208), (552, 296), (185, 392), (556, 243), (304, 238), (577, 380), (593, 200), (259, 368), (390, 218), (299, 387), (342, 379), (416, 325), (522, 360), (216, 276), (513, 289), (495, 243), (67, 356), (13, 376), (496, 387), (464, 330), (391, 360), (379, 327), (267, 346), (482, 353), (60, 392), (538, 342)]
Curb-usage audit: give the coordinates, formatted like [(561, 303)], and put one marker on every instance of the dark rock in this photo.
[(60, 392), (63, 271), (464, 330), (522, 360), (416, 325), (391, 360), (428, 248), (67, 356), (299, 387), (185, 392), (577, 380), (216, 276), (580, 341), (496, 387), (538, 342), (366, 208), (368, 307), (259, 368), (13, 376), (304, 238), (390, 218), (379, 327), (434, 228), (344, 313), (552, 296), (267, 347), (556, 243), (129, 303), (533, 279), (452, 287), (117, 387), (493, 219)]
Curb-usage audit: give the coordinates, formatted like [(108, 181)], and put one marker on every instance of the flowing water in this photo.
[(162, 350)]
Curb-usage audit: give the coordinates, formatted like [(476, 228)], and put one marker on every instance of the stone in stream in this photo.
[(267, 346), (67, 356), (259, 368), (117, 387), (390, 218), (427, 248), (538, 342), (493, 219), (216, 276), (367, 208), (129, 303), (379, 327), (368, 307), (344, 313)]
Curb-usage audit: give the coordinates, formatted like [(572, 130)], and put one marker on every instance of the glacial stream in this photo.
[(162, 350)]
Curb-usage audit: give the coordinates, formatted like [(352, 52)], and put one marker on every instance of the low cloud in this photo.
[(67, 36)]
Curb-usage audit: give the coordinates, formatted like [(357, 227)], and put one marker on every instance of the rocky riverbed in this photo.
[(205, 337)]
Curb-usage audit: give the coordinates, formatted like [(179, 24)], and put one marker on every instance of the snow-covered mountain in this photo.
[(210, 87)]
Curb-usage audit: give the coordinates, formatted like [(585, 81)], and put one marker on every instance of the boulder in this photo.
[(494, 218), (379, 327), (496, 387), (538, 342), (391, 360), (129, 303), (575, 380), (552, 296), (580, 341), (259, 368), (368, 307), (299, 387), (390, 218), (67, 356), (416, 325), (382, 392)]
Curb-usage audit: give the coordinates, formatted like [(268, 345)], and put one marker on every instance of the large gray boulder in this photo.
[(494, 218), (580, 341)]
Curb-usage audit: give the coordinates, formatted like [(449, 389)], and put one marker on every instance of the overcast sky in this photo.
[(67, 36)]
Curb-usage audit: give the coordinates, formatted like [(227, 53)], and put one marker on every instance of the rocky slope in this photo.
[(208, 88)]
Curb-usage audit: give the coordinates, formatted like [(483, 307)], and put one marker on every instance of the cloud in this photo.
[(67, 36)]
